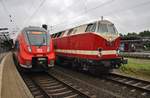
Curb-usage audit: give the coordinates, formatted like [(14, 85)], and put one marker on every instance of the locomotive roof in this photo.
[(102, 21), (31, 28)]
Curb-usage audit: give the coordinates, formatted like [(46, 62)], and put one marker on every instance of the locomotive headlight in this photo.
[(29, 49), (99, 52), (110, 39), (118, 51)]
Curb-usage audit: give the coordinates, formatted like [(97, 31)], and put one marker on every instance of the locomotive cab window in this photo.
[(106, 28), (91, 27)]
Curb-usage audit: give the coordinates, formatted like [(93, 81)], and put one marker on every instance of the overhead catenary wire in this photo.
[(106, 14), (12, 21), (6, 10), (66, 8), (36, 10), (85, 11)]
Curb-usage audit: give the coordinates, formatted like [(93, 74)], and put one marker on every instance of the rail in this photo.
[(44, 85), (130, 82)]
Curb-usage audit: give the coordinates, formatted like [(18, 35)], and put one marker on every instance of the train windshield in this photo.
[(107, 28), (37, 38)]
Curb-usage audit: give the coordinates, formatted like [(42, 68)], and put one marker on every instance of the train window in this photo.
[(74, 31), (91, 27), (55, 35), (62, 33), (102, 28), (106, 28), (52, 35), (38, 39), (88, 27), (17, 45), (70, 31), (111, 28), (58, 35)]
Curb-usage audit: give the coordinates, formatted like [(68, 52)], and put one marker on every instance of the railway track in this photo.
[(130, 82), (43, 85)]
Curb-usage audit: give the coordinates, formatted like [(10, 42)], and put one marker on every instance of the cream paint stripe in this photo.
[(86, 52)]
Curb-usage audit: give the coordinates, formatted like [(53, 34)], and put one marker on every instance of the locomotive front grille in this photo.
[(39, 62)]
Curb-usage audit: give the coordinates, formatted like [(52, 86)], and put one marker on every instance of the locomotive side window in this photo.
[(91, 27), (55, 35), (74, 31), (59, 33), (62, 33), (52, 35), (70, 31)]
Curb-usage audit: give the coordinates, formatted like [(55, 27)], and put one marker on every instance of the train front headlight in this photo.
[(48, 49), (29, 49), (99, 52)]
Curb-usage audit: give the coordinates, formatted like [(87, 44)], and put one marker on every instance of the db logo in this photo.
[(39, 50)]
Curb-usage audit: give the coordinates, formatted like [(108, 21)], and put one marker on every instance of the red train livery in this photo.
[(92, 47), (34, 49)]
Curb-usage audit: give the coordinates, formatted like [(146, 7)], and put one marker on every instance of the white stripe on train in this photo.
[(87, 52)]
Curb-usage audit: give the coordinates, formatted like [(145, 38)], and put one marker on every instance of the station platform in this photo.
[(11, 83)]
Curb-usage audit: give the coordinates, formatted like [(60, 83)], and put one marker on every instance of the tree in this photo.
[(145, 33)]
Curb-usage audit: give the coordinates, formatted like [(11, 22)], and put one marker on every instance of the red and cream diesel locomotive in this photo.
[(93, 47), (34, 49)]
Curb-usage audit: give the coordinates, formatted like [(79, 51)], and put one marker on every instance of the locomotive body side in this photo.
[(89, 50), (34, 50)]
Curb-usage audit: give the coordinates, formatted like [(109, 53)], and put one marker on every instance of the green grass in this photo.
[(135, 66)]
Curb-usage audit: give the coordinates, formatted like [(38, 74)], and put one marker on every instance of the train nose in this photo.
[(39, 50)]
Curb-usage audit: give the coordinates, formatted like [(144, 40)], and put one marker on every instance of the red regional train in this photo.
[(34, 50), (92, 47)]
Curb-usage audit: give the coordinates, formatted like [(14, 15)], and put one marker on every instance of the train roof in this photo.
[(102, 21), (32, 28)]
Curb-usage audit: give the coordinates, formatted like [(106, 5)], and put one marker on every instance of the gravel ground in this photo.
[(102, 87), (129, 75)]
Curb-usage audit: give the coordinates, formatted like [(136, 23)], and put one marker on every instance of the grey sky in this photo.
[(127, 15)]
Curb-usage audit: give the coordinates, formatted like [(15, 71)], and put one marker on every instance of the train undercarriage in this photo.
[(92, 66)]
